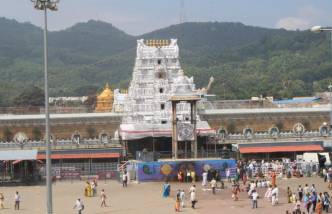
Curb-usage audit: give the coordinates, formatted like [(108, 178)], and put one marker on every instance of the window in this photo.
[(163, 122), (162, 106), (161, 90), (159, 61), (161, 75)]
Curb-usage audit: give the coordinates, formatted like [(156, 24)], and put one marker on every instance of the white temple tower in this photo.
[(157, 76)]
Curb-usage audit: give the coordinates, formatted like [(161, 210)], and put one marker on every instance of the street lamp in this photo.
[(44, 5), (318, 29), (330, 89)]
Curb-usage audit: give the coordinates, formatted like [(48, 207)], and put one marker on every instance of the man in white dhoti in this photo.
[(275, 195), (204, 176)]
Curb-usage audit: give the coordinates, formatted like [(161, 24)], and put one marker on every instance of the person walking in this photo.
[(213, 185), (193, 199), (300, 193), (306, 189), (326, 202), (182, 198), (180, 177), (319, 207), (87, 190), (268, 193), (124, 179), (103, 198), (17, 200), (289, 195), (228, 175), (93, 188), (254, 199), (193, 176), (314, 200), (274, 178), (204, 180), (177, 201), (166, 189), (79, 206), (297, 208), (275, 195), (2, 201), (187, 176)]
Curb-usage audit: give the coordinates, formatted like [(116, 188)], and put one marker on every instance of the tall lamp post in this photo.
[(44, 5), (330, 89), (318, 29)]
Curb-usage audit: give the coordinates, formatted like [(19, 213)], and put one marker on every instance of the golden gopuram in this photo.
[(157, 42), (105, 100)]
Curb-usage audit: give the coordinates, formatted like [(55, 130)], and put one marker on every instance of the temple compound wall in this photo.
[(90, 125), (63, 126), (236, 120)]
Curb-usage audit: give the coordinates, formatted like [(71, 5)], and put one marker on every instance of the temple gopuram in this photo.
[(147, 117), (104, 101)]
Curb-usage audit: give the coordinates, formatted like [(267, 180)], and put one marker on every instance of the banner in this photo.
[(167, 170)]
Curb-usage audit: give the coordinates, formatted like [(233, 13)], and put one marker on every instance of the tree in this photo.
[(86, 90), (33, 96)]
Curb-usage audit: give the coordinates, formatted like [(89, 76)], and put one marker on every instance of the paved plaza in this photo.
[(145, 198)]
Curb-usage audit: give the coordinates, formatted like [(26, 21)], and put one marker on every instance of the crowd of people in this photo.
[(262, 177), (252, 177), (309, 199), (305, 198), (186, 175), (285, 167)]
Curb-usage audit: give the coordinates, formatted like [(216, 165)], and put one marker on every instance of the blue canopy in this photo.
[(297, 100), (18, 155)]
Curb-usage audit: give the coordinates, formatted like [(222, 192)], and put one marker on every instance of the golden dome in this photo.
[(107, 93), (105, 100)]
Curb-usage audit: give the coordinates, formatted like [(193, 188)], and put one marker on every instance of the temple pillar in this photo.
[(174, 132)]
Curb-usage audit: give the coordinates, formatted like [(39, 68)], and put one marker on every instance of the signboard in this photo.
[(106, 174), (185, 132), (66, 172)]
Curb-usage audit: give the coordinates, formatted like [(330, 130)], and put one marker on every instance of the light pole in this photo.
[(44, 5), (318, 29), (330, 89)]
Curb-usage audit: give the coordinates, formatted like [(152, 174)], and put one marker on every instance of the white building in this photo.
[(156, 77)]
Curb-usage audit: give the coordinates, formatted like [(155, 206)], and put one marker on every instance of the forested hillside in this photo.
[(245, 61)]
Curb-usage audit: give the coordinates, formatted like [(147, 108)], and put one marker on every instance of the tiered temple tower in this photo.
[(157, 76)]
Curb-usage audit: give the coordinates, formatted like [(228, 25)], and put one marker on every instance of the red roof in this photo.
[(78, 156), (270, 149)]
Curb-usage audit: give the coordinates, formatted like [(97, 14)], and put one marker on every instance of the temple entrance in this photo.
[(19, 172), (162, 147)]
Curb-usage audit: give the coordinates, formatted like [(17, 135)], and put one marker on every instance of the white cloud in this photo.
[(310, 12), (305, 17), (293, 23)]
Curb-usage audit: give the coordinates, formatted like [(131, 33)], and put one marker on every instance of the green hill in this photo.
[(245, 61)]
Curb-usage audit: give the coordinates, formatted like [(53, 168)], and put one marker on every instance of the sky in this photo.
[(140, 16)]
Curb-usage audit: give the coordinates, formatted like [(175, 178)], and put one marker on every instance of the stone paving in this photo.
[(145, 198)]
